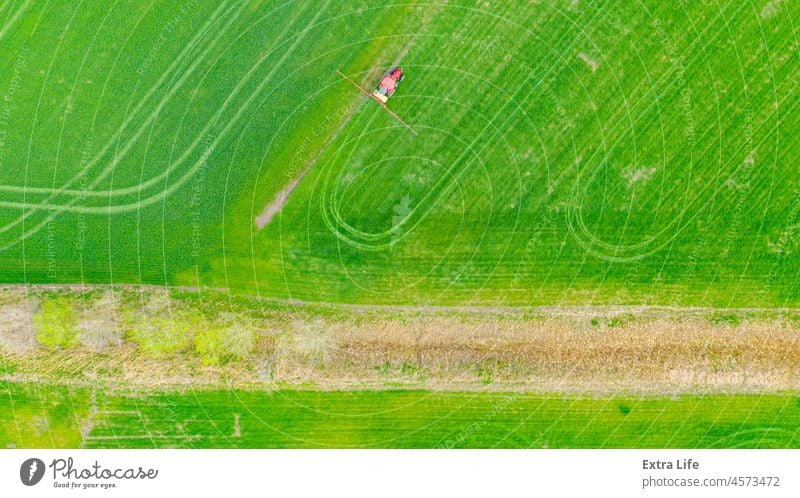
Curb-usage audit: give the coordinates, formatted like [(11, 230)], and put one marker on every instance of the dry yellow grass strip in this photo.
[(644, 352), (554, 354)]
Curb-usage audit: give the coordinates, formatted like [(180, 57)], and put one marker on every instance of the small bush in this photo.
[(485, 375), (409, 369), (218, 345), (621, 320), (56, 324), (159, 335)]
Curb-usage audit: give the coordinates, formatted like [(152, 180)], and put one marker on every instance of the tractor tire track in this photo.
[(182, 180), (281, 198)]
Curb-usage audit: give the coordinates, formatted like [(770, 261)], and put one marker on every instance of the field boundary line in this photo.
[(554, 309)]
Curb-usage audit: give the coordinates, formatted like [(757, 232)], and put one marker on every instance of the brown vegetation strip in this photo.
[(635, 352)]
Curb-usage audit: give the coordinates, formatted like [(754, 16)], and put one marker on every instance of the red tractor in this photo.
[(388, 84)]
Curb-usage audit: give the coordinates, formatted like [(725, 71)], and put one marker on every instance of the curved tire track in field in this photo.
[(445, 184), (13, 18), (118, 156), (182, 180), (34, 208), (691, 207)]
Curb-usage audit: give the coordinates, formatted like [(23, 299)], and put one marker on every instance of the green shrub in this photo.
[(409, 368), (56, 324), (218, 345), (159, 335), (622, 320), (485, 375)]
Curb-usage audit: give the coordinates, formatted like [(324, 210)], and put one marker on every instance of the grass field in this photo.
[(70, 417), (568, 152), (595, 152)]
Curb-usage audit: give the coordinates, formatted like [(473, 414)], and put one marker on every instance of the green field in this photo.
[(72, 417), (568, 152), (597, 152)]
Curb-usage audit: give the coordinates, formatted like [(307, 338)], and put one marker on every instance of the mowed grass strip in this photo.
[(56, 416)]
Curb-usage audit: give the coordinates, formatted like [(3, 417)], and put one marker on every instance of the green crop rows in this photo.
[(568, 153), (56, 416), (614, 152)]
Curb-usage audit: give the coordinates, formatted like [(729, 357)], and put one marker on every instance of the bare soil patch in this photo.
[(771, 9), (592, 63), (17, 330)]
